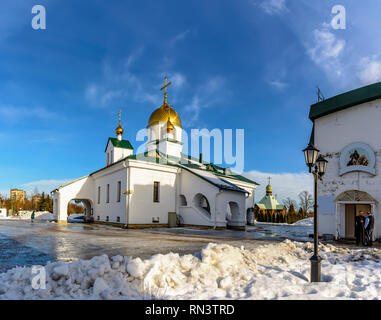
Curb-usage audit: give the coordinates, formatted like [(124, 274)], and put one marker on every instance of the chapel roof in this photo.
[(345, 100), (269, 203), (125, 144)]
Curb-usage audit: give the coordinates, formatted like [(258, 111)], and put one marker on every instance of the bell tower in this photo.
[(164, 129)]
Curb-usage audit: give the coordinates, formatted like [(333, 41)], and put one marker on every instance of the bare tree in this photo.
[(306, 201), (35, 192), (288, 202)]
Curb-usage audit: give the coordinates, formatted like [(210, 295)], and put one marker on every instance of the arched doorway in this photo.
[(202, 203), (77, 208), (232, 211), (348, 205)]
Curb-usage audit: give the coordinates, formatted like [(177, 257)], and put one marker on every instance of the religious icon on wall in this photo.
[(357, 156), (358, 160)]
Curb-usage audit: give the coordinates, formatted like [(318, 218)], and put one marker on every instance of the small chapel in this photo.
[(145, 189), (269, 203)]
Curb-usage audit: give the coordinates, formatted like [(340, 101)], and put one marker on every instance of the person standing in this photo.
[(32, 216), (369, 226)]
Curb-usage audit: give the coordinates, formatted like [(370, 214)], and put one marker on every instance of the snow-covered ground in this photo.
[(305, 222), (38, 215), (218, 271)]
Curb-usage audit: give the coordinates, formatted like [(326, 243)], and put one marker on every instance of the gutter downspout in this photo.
[(215, 209), (128, 195)]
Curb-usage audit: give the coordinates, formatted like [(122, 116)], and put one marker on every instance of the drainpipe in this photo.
[(215, 208), (127, 195)]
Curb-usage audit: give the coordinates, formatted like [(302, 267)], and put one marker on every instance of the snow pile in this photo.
[(38, 215), (305, 222), (218, 271)]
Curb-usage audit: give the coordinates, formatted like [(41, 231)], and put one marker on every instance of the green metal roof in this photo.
[(185, 160), (345, 100), (269, 203), (125, 144)]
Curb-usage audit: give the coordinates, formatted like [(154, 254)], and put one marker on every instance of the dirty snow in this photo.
[(218, 271)]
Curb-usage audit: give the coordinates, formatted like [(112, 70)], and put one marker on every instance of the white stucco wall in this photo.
[(332, 134), (142, 207), (113, 209), (117, 154), (79, 189)]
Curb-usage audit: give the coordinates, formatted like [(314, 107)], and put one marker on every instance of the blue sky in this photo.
[(247, 64)]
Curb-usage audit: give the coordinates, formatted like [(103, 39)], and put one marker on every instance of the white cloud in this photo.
[(179, 37), (326, 51), (214, 83), (272, 7), (326, 46), (370, 70), (208, 93), (14, 114), (284, 184), (119, 84), (193, 109), (44, 185), (177, 79), (278, 84)]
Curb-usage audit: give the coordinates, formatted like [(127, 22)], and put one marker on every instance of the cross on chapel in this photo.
[(165, 89)]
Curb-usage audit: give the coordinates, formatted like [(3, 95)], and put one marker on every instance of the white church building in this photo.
[(347, 132), (143, 190)]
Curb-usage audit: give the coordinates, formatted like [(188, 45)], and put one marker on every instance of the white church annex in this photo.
[(141, 190), (347, 132)]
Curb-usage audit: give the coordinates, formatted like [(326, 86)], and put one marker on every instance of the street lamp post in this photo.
[(317, 166)]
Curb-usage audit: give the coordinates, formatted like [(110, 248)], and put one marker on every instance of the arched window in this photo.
[(201, 202), (183, 200)]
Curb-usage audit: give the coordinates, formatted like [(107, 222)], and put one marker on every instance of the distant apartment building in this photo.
[(18, 195), (36, 200)]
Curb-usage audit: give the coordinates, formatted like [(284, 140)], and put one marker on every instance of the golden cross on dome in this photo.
[(165, 89), (269, 179), (120, 115)]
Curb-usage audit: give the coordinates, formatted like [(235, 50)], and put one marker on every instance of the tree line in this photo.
[(42, 202)]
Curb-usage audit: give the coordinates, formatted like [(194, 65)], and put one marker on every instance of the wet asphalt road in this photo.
[(27, 244)]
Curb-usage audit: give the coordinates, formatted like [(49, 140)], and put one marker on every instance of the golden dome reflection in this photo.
[(162, 114)]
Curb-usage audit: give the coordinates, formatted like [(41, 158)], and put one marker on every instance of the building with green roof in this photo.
[(160, 186)]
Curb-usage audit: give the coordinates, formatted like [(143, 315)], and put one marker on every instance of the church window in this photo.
[(99, 195), (112, 156), (156, 193), (108, 194), (117, 219), (99, 217), (108, 158), (107, 218), (119, 191)]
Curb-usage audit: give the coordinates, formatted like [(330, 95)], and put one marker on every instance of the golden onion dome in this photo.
[(164, 114), (269, 188), (119, 130)]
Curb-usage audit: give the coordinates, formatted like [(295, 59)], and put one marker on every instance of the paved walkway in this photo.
[(26, 243)]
